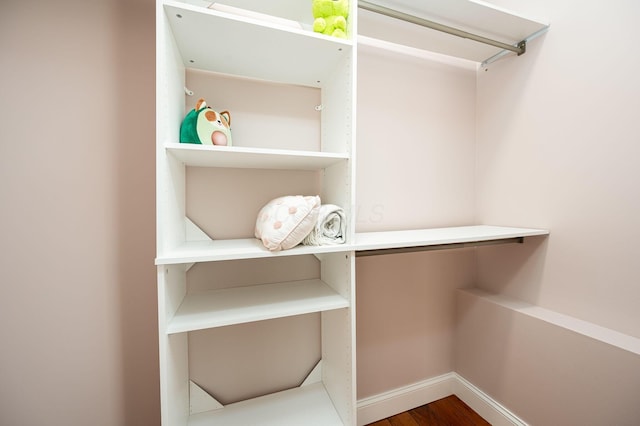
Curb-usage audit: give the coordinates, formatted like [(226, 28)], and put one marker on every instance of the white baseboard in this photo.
[(487, 407), (396, 401), (387, 404)]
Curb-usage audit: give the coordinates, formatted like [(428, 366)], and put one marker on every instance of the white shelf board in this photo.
[(473, 16), (265, 50), (252, 248), (218, 308), (439, 236), (241, 248), (252, 158), (307, 405)]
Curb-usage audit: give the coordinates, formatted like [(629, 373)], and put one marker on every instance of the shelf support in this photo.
[(200, 401), (449, 246), (519, 48), (194, 233)]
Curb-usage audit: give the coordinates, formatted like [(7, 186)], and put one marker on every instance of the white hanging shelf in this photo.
[(430, 25), (365, 243)]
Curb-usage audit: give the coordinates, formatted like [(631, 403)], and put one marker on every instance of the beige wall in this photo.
[(545, 374), (78, 341), (415, 143), (415, 169), (558, 148), (77, 304), (405, 318)]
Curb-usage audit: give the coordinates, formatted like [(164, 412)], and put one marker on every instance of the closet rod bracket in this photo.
[(523, 47)]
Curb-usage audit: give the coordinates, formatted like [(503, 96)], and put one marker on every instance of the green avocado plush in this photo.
[(202, 125), (330, 17)]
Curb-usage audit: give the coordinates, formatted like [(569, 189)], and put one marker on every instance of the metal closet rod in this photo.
[(520, 48), (448, 246)]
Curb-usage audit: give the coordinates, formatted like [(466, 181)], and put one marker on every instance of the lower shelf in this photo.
[(307, 405), (218, 308)]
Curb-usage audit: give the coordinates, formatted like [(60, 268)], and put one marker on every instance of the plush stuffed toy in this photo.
[(203, 125), (331, 17)]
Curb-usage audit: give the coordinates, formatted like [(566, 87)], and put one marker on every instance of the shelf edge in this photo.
[(323, 298), (250, 248)]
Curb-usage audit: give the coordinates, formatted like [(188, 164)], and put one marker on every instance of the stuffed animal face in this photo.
[(331, 17), (202, 125)]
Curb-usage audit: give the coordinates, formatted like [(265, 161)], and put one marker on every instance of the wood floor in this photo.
[(449, 411)]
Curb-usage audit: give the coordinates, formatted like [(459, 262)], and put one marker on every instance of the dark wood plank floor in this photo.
[(449, 411)]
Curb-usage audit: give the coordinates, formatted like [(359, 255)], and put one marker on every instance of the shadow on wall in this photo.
[(406, 316), (507, 269), (135, 74), (515, 270)]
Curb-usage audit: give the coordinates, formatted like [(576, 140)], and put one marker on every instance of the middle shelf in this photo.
[(252, 158), (218, 308), (252, 248)]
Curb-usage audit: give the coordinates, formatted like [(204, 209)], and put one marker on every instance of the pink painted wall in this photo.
[(415, 169), (78, 342), (557, 136), (415, 143), (77, 304), (558, 148), (405, 319), (544, 373)]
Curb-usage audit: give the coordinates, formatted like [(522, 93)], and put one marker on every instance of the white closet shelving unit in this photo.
[(261, 50), (273, 43)]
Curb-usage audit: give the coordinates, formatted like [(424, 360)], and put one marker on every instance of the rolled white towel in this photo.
[(330, 227)]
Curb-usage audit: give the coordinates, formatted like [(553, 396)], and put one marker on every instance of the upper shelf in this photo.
[(365, 243), (259, 49), (471, 16)]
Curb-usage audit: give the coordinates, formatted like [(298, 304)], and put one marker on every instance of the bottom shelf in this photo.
[(307, 405)]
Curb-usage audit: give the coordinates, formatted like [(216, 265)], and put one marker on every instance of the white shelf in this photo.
[(241, 248), (439, 236), (232, 44), (252, 158), (307, 405), (472, 16), (252, 248), (218, 308)]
